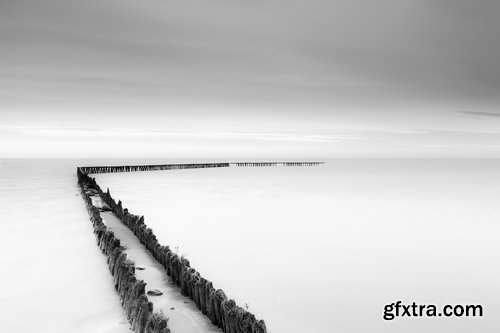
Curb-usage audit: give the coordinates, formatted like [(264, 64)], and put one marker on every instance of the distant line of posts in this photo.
[(134, 168)]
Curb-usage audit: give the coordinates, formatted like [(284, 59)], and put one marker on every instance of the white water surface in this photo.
[(316, 249), (54, 278), (323, 249)]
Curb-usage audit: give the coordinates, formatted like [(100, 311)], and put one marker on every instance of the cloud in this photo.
[(278, 72), (275, 52), (149, 135), (480, 114)]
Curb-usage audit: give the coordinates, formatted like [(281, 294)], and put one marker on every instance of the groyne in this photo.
[(213, 303), (159, 167), (151, 167), (270, 164), (138, 309)]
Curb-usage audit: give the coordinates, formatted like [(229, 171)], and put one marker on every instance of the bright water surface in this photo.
[(54, 278), (323, 249), (309, 249)]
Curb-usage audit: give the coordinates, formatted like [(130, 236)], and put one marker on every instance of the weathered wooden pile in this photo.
[(134, 301), (213, 303)]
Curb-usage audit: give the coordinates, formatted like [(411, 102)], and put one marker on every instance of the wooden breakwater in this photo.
[(213, 303), (138, 309), (158, 167), (150, 167), (270, 164)]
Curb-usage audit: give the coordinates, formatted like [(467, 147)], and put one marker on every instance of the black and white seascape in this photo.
[(312, 166)]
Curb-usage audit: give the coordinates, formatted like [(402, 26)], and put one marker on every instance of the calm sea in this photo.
[(308, 249), (323, 249)]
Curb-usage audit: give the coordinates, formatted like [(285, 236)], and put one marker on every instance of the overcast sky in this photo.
[(231, 78)]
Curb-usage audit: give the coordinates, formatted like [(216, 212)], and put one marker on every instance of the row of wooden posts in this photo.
[(157, 167), (138, 309), (267, 164), (213, 303)]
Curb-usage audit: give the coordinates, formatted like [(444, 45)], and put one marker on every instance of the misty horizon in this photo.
[(298, 78)]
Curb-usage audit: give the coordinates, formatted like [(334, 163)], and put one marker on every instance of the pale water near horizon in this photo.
[(323, 249), (309, 249), (54, 277)]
